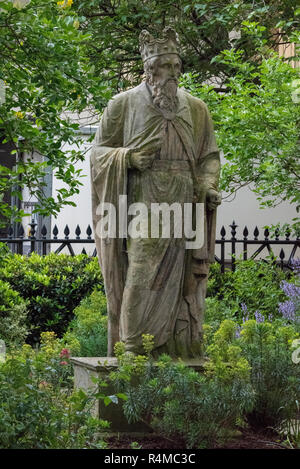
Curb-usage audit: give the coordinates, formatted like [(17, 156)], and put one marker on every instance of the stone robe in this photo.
[(154, 285)]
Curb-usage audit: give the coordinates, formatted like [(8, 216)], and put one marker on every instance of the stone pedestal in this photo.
[(100, 367)]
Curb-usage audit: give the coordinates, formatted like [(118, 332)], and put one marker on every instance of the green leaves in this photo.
[(257, 125), (55, 59), (53, 286), (179, 402), (39, 408), (87, 333), (13, 315), (44, 70)]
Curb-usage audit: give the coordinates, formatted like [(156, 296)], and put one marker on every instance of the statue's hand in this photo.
[(213, 199), (141, 160)]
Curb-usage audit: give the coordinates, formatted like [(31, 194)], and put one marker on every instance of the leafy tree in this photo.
[(44, 73), (59, 56), (202, 27), (257, 120)]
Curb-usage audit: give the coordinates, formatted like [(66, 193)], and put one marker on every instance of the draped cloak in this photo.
[(155, 286)]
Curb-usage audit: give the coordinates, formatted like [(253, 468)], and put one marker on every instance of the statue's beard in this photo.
[(165, 94)]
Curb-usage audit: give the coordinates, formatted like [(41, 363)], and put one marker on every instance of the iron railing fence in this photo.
[(230, 248)]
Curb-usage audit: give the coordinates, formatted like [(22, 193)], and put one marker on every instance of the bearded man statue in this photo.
[(156, 145)]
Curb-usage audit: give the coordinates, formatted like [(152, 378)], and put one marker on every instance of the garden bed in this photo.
[(245, 439)]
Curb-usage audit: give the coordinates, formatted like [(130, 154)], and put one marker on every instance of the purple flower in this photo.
[(245, 312), (259, 317), (270, 317), (288, 310), (238, 332), (290, 289), (296, 265)]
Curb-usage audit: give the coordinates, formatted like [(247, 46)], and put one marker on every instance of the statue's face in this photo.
[(162, 74), (166, 67)]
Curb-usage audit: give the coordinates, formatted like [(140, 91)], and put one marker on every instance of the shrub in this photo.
[(177, 401), (13, 315), (275, 378), (53, 285), (254, 288), (226, 361), (4, 252), (267, 348), (87, 333), (39, 409), (216, 280), (217, 311)]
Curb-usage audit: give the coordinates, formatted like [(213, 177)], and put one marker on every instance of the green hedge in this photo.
[(13, 316), (53, 285)]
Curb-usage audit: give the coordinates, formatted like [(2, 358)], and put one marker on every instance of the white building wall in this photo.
[(81, 214)]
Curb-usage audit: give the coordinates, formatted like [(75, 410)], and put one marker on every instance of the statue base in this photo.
[(99, 367)]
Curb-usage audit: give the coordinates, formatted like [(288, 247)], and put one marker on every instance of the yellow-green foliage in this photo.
[(129, 362), (91, 311), (260, 350), (179, 401), (268, 333), (51, 355), (119, 350), (87, 333), (71, 341), (225, 358), (148, 343)]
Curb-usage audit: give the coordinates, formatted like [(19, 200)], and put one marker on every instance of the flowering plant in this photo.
[(290, 309)]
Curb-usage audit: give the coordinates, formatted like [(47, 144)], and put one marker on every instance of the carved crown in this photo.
[(151, 47)]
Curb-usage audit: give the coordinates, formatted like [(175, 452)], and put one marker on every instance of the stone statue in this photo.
[(156, 144)]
